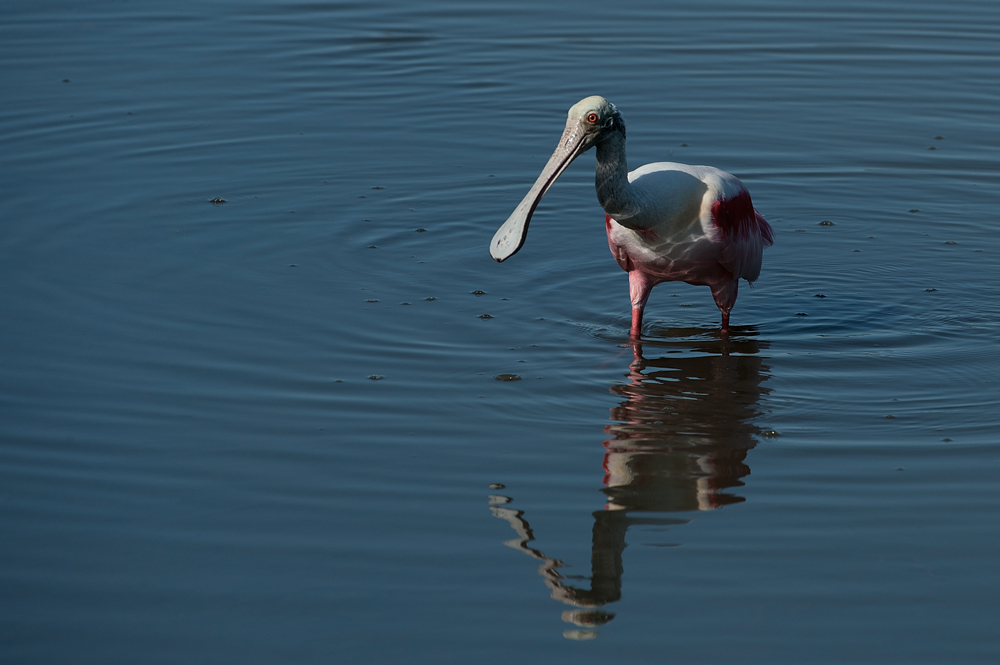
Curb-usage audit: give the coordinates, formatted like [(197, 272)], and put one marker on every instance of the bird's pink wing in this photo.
[(745, 234)]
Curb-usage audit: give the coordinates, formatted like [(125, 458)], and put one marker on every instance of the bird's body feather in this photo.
[(697, 225)]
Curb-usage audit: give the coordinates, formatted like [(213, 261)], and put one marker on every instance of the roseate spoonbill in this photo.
[(665, 221)]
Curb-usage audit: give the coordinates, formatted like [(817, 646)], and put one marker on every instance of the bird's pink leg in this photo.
[(639, 286), (636, 330), (725, 297)]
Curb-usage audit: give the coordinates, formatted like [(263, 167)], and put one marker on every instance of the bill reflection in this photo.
[(677, 442)]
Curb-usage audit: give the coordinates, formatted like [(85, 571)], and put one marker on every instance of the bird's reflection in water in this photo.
[(678, 439)]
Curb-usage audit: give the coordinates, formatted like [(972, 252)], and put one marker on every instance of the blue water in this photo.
[(196, 463)]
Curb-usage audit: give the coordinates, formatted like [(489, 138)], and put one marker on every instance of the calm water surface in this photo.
[(269, 430)]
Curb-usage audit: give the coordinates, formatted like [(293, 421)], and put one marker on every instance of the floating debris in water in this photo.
[(890, 417), (507, 377), (477, 292), (486, 316), (376, 377), (372, 247), (938, 138), (497, 486), (218, 200), (421, 230), (913, 210), (430, 299), (801, 314), (292, 265), (950, 242), (770, 433), (404, 303), (372, 300), (826, 222), (930, 290), (819, 295)]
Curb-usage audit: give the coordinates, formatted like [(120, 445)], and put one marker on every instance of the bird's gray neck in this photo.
[(614, 192)]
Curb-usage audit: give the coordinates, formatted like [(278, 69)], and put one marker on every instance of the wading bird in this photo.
[(666, 222)]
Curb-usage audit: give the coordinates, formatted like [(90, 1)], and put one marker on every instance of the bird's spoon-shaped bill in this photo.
[(510, 236)]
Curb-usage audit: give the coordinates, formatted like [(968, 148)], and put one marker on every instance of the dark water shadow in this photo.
[(677, 442)]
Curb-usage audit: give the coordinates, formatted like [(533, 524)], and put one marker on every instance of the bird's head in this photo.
[(594, 119), (590, 121)]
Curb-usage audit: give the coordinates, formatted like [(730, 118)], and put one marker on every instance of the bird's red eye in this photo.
[(592, 117)]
